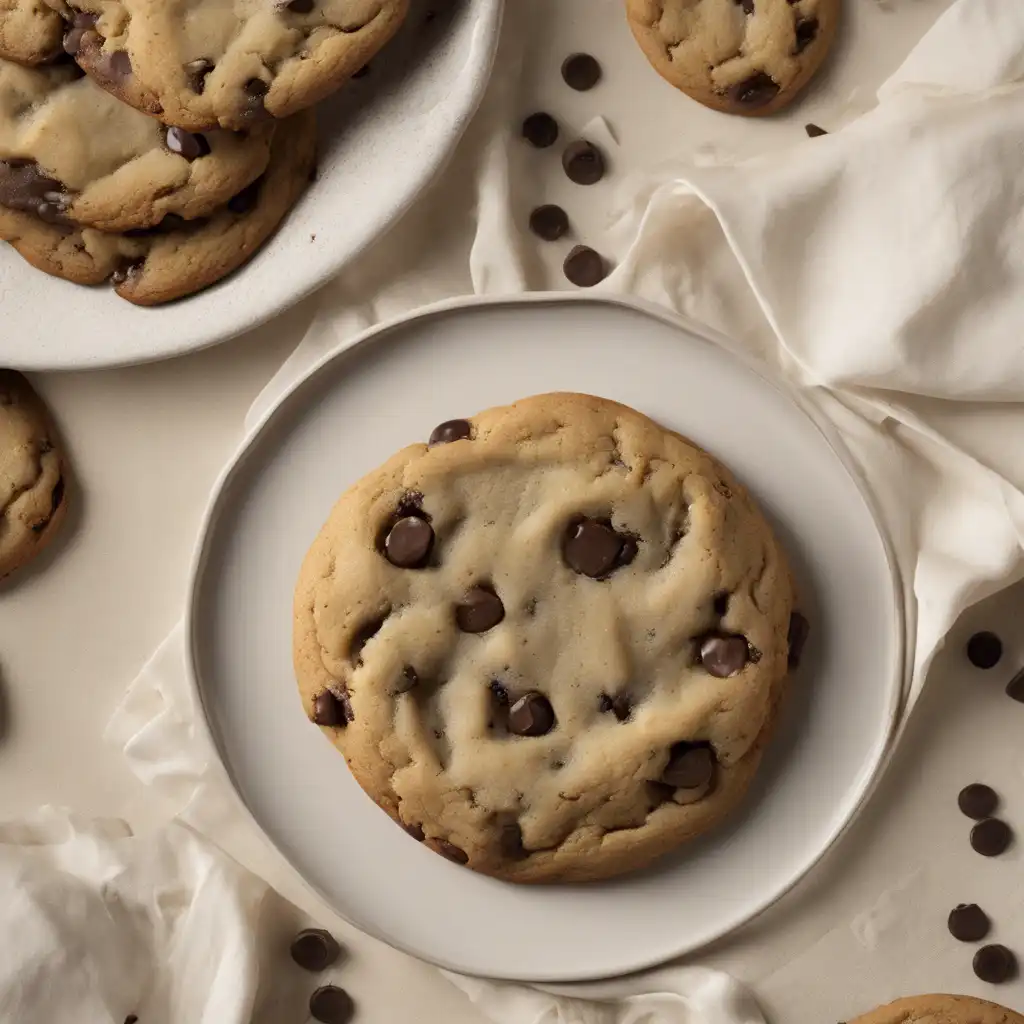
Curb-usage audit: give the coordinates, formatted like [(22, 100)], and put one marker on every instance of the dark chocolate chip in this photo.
[(991, 837), (480, 610), (968, 922), (747, 5), (813, 131), (245, 201), (995, 964), (581, 72), (407, 681), (799, 630), (299, 6), (408, 543), (806, 31), (584, 267), (449, 431), (1015, 687), (977, 801), (329, 710), (531, 715), (540, 130), (984, 650), (24, 187), (253, 109), (196, 72), (187, 144), (690, 766), (331, 1005), (592, 548), (115, 66), (756, 91), (452, 852), (583, 162), (723, 655), (80, 25), (549, 222), (314, 949), (416, 831)]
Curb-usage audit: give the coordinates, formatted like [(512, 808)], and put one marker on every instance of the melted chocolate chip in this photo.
[(416, 831), (449, 431), (690, 766), (581, 72), (756, 91), (80, 25), (747, 5), (451, 851), (968, 922), (549, 222), (540, 130), (253, 109), (187, 144), (991, 837), (813, 131), (984, 650), (331, 1005), (330, 710), (592, 548), (480, 610), (314, 949), (24, 187), (583, 162), (409, 542), (977, 801), (723, 655), (531, 715), (115, 66), (995, 964), (584, 267)]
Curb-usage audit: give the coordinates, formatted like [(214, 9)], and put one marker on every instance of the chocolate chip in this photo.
[(510, 841), (408, 543), (540, 130), (813, 131), (126, 270), (196, 72), (968, 922), (584, 267), (451, 851), (115, 66), (806, 30), (747, 5), (531, 715), (80, 25), (583, 163), (549, 222), (581, 72), (299, 6), (331, 1005), (995, 964), (723, 655), (480, 610), (1015, 687), (330, 710), (186, 144), (253, 109), (245, 201), (984, 650), (499, 692), (690, 766), (24, 187), (449, 431), (799, 630), (416, 831), (756, 91), (592, 548), (977, 801), (991, 837), (407, 681), (314, 949)]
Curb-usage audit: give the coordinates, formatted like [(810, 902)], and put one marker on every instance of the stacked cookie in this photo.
[(158, 146)]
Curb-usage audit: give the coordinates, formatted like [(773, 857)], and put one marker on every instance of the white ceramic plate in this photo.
[(390, 389), (383, 138)]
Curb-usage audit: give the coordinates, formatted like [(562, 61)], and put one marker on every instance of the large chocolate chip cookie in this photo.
[(202, 63), (31, 31), (940, 1009), (738, 56), (550, 643)]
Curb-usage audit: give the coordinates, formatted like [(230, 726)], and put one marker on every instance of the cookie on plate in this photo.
[(940, 1009), (551, 642), (33, 491), (739, 56), (202, 63), (159, 264), (71, 153), (31, 31)]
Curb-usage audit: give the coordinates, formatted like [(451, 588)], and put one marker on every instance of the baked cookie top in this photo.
[(31, 31), (168, 262), (71, 153), (202, 63), (738, 56), (33, 492), (550, 642), (940, 1009)]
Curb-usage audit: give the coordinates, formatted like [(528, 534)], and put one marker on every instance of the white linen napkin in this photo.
[(881, 267)]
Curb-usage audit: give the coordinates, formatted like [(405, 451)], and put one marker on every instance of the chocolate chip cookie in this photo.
[(33, 492), (71, 153), (739, 56), (173, 259), (202, 63), (550, 641), (31, 31), (940, 1009)]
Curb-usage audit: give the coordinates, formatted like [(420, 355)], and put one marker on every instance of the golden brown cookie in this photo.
[(747, 57), (33, 484), (940, 1009), (551, 642), (31, 31)]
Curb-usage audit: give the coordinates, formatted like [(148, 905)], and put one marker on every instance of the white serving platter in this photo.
[(389, 388)]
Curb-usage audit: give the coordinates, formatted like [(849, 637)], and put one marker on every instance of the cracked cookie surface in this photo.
[(748, 57), (160, 264), (71, 153), (551, 642), (33, 491), (940, 1009), (202, 63), (31, 31)]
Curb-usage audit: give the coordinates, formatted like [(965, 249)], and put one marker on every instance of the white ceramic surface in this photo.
[(389, 389), (383, 138)]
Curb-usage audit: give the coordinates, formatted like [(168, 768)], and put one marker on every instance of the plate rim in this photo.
[(901, 660), (485, 33)]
